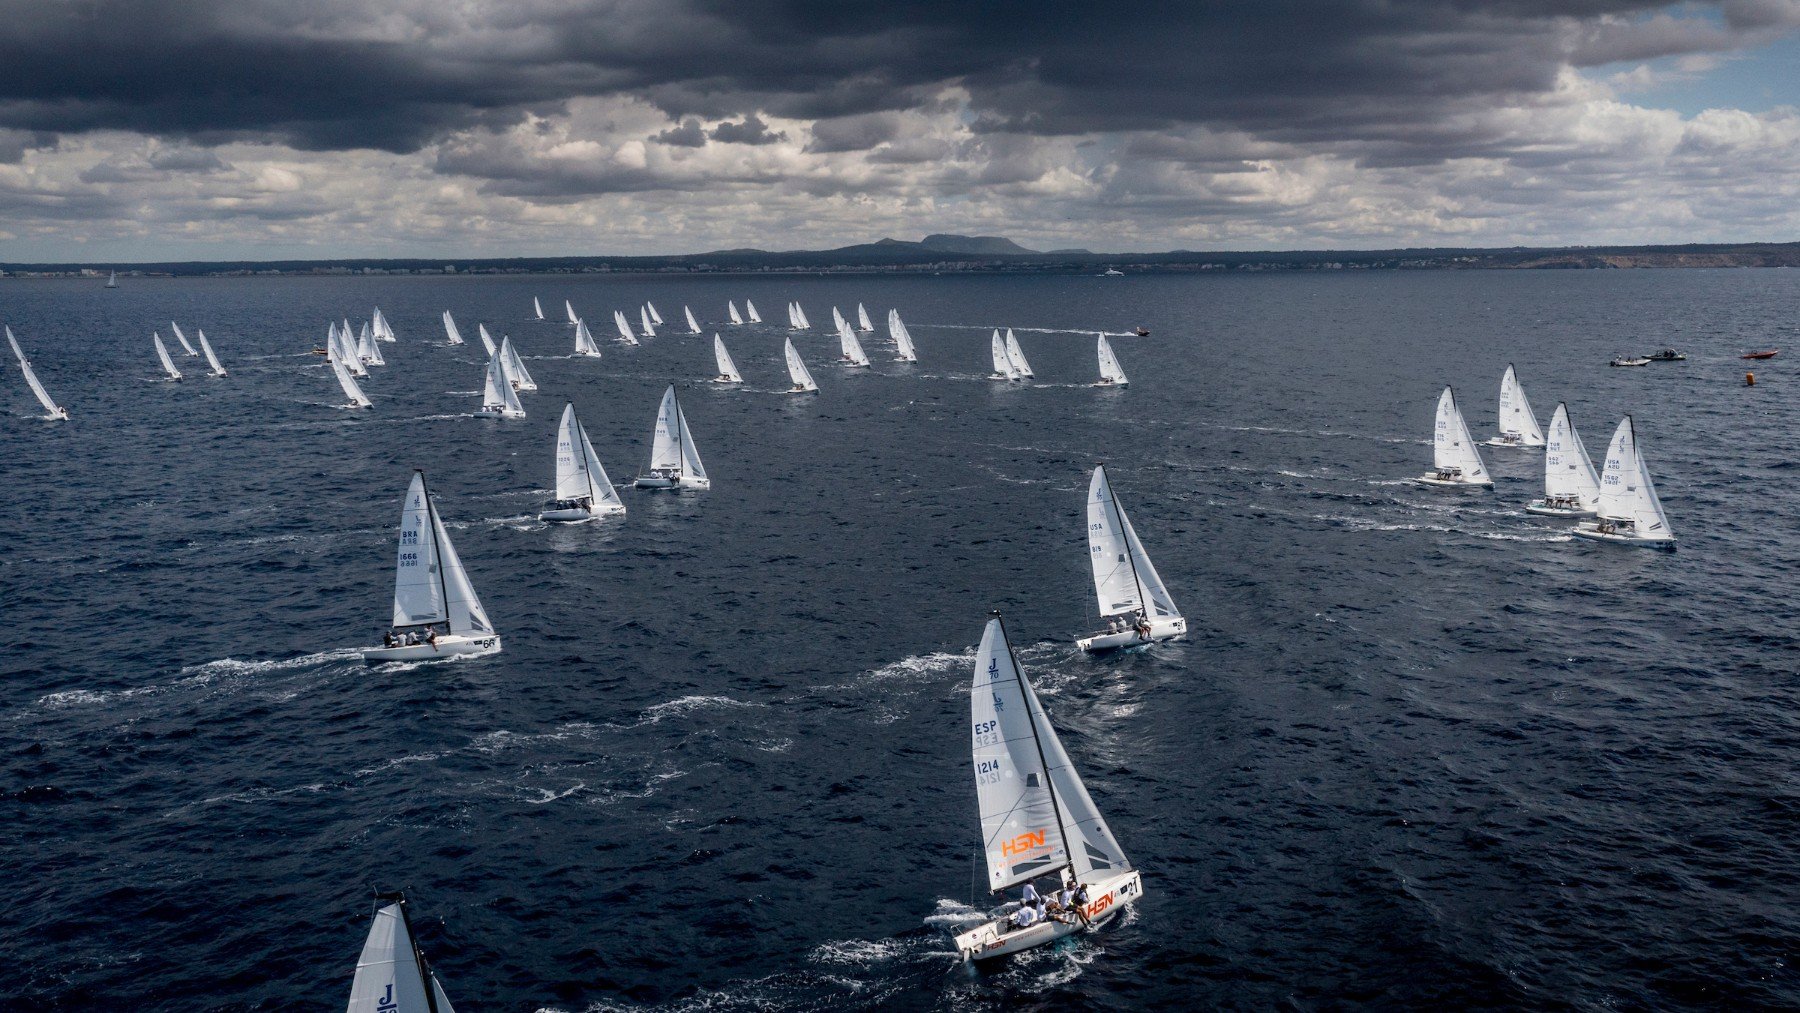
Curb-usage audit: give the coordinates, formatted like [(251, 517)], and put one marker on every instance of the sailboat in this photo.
[(649, 328), (750, 311), (162, 352), (53, 412), (569, 308), (384, 331), (655, 317), (1125, 581), (366, 348), (357, 398), (1111, 373), (693, 326), (862, 319), (487, 340), (538, 308), (902, 338), (728, 371), (731, 308), (797, 371), (392, 975), (583, 492), (1571, 487), (1454, 458), (674, 461), (1003, 364), (211, 359), (584, 340), (1037, 819), (515, 366), (1628, 511), (1518, 423), (497, 394), (624, 327), (434, 604), (112, 280), (793, 318), (450, 330), (837, 320), (853, 353), (344, 348), (1017, 356), (182, 338)]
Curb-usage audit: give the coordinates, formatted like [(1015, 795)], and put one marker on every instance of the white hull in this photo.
[(1453, 483), (577, 515), (1109, 383), (503, 413), (997, 938), (1501, 441), (448, 646), (1543, 510), (659, 482), (725, 379), (1160, 629), (1592, 533), (801, 390)]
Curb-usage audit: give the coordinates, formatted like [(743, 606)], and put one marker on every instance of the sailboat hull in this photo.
[(1160, 629), (504, 413), (1453, 483), (1516, 444), (452, 645), (578, 514), (1112, 383), (1544, 510), (997, 938), (1594, 534), (677, 482)]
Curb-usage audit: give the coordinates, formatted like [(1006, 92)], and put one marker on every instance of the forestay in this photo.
[(1568, 471), (1124, 578), (391, 975), (1451, 444), (430, 584), (1517, 420), (1626, 492), (797, 370), (727, 368)]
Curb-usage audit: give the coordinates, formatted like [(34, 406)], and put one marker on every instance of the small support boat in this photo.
[(1767, 354), (1667, 355), (1629, 360), (1142, 332)]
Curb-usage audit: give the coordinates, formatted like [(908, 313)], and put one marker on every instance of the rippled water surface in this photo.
[(1420, 748)]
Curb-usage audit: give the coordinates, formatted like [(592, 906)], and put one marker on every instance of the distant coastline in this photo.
[(948, 254)]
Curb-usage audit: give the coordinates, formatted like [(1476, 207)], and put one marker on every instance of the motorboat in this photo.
[(1632, 360), (1667, 355), (1766, 354)]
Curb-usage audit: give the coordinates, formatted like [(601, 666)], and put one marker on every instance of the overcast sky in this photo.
[(195, 129)]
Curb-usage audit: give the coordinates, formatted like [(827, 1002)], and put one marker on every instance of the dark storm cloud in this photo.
[(751, 131)]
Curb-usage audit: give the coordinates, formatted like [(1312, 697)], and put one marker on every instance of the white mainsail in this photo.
[(384, 330), (497, 394), (344, 348), (673, 448), (852, 348), (750, 311), (365, 347), (1569, 474), (515, 366), (644, 319), (579, 474), (655, 317), (392, 976), (162, 352), (625, 334), (54, 410), (1451, 445), (693, 326), (805, 324), (1518, 423), (797, 370), (569, 308), (1036, 815), (862, 319), (793, 318), (182, 338), (584, 340), (837, 320), (537, 307), (1626, 492), (211, 359), (450, 330), (1110, 370), (728, 371), (1017, 356), (1003, 364), (902, 337), (430, 584), (731, 308), (357, 398), (112, 280), (1124, 578), (487, 340)]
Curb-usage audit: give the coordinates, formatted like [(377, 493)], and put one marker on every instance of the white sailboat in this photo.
[(538, 308), (731, 308), (852, 349), (162, 352), (793, 318), (344, 348), (384, 331), (674, 461), (1037, 819), (112, 280), (797, 371), (693, 325), (366, 348), (902, 338), (1125, 581), (728, 371), (649, 328), (655, 317), (211, 359), (584, 341), (435, 606), (862, 319), (516, 373), (800, 312), (583, 492), (1454, 457), (1017, 356), (1111, 373), (355, 393), (53, 412), (392, 975), (1518, 423), (569, 308), (837, 320), (450, 330), (1571, 486), (1628, 511), (185, 344), (750, 311), (1003, 364), (497, 394), (487, 340), (624, 327)]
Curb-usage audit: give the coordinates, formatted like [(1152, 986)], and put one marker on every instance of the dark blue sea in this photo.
[(1420, 749)]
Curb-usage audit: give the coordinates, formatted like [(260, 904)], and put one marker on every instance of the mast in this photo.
[(1037, 741), (1119, 519), (437, 553), (419, 961), (680, 431)]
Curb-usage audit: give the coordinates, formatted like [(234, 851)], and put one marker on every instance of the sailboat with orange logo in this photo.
[(1039, 829)]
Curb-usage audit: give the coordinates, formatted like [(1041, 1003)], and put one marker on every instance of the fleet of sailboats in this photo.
[(674, 461), (1628, 511), (1454, 458), (392, 974), (583, 492), (436, 611), (797, 371), (728, 371), (53, 412), (1131, 593)]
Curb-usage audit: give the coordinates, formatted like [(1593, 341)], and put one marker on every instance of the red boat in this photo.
[(1770, 354)]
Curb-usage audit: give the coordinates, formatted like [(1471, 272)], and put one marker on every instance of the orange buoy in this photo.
[(1749, 379)]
